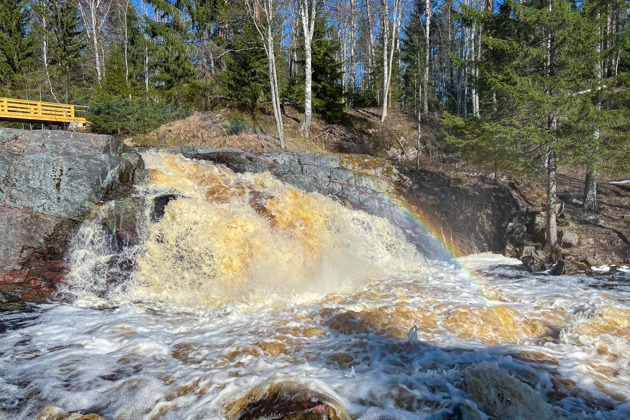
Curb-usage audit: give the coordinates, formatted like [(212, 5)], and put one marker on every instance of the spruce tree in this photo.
[(18, 46), (326, 81), (171, 58), (546, 48), (327, 89), (65, 43), (246, 79)]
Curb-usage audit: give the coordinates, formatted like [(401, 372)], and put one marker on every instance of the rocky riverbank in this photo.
[(48, 181)]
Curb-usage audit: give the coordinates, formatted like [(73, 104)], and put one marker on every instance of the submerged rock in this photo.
[(460, 410), (565, 267), (502, 396), (286, 400), (55, 413)]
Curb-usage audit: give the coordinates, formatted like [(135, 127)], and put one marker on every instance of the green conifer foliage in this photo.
[(171, 57), (246, 79), (65, 41), (18, 46), (327, 89)]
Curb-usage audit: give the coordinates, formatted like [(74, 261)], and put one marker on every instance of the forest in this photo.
[(524, 85)]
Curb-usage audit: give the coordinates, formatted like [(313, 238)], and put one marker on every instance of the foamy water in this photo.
[(378, 334)]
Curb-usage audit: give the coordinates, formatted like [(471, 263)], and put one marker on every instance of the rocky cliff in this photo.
[(48, 181)]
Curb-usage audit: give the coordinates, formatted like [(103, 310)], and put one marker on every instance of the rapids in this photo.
[(238, 286)]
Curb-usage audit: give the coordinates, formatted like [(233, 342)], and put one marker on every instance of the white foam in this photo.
[(139, 359)]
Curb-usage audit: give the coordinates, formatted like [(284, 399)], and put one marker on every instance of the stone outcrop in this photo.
[(48, 181)]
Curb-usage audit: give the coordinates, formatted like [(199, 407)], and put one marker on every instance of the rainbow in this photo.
[(445, 249)]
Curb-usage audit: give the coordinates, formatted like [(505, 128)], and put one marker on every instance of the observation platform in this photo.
[(17, 110)]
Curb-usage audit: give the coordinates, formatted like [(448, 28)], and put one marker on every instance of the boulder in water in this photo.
[(502, 396), (55, 413), (286, 400)]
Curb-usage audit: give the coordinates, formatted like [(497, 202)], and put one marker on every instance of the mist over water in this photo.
[(210, 289)]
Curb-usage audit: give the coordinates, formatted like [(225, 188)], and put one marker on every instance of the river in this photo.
[(244, 295)]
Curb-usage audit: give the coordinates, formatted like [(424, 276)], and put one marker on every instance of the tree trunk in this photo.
[(308, 90), (385, 26), (95, 43), (552, 224), (419, 145), (273, 75), (427, 56), (308, 26), (370, 23), (590, 182), (126, 46), (353, 47), (473, 65), (388, 62), (590, 189), (451, 74), (45, 48)]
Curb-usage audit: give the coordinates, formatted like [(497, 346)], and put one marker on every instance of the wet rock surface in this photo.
[(476, 218), (286, 400), (11, 303), (502, 396), (48, 181), (56, 413)]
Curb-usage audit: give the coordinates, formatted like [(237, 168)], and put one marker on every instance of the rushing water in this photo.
[(242, 285)]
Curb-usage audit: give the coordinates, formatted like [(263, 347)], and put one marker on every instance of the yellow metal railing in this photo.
[(17, 109)]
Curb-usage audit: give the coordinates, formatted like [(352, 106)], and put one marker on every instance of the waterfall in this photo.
[(198, 234)]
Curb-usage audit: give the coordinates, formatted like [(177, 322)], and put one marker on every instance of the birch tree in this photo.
[(94, 14), (308, 13), (370, 27), (427, 55), (388, 57), (265, 31)]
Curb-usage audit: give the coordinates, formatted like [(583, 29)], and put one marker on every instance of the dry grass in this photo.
[(212, 129), (360, 132)]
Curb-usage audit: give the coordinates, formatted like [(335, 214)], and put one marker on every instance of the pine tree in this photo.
[(18, 46)]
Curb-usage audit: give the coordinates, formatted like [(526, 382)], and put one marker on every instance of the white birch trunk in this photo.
[(353, 47), (269, 44), (370, 23), (385, 25), (308, 25), (551, 229)]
